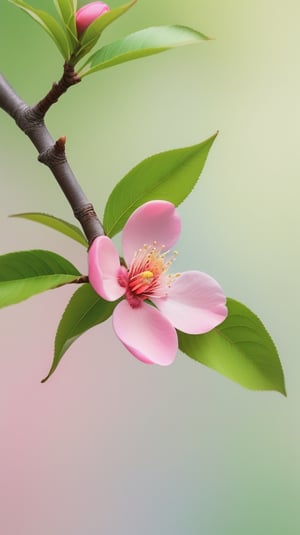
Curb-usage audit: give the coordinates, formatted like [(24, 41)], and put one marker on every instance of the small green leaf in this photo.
[(93, 32), (240, 349), (168, 176), (26, 273), (141, 44), (57, 224), (67, 12), (50, 25), (85, 310)]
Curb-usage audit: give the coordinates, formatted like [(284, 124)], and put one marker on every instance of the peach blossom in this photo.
[(155, 302)]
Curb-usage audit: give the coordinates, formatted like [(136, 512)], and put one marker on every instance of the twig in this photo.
[(31, 121), (69, 78)]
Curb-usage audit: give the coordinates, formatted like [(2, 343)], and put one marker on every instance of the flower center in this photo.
[(140, 282), (146, 276)]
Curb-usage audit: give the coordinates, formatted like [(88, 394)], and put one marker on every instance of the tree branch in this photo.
[(69, 78), (31, 121)]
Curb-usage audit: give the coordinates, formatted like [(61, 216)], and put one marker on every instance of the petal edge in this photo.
[(146, 334), (153, 221), (104, 264), (196, 303)]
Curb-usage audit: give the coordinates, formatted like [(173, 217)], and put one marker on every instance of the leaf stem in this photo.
[(79, 280), (31, 121)]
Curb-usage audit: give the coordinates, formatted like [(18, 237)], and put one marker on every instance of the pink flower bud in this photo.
[(88, 13)]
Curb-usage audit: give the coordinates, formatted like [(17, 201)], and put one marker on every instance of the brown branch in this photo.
[(31, 121), (69, 78)]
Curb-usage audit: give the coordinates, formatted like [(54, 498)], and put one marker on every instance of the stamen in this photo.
[(144, 275), (147, 276)]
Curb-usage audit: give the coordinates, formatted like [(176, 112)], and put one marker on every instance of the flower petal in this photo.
[(104, 264), (195, 303), (153, 221), (145, 333), (88, 13)]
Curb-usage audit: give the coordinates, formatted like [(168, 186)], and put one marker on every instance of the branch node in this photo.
[(55, 154), (28, 120), (89, 221), (85, 213), (70, 77)]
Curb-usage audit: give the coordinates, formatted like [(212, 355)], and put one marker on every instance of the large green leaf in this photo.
[(168, 176), (26, 273), (240, 348), (50, 25), (93, 32), (140, 44), (55, 223), (85, 310)]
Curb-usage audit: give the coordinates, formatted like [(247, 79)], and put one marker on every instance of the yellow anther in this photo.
[(147, 276)]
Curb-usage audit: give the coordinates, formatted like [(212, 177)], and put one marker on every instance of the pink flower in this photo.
[(192, 302), (88, 13)]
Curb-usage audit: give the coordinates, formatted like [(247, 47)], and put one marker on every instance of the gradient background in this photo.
[(109, 445)]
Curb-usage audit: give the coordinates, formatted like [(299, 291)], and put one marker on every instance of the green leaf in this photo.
[(93, 32), (67, 11), (140, 44), (85, 310), (26, 273), (168, 176), (240, 349), (49, 24), (57, 224)]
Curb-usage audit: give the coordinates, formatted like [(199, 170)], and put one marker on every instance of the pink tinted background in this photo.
[(110, 445)]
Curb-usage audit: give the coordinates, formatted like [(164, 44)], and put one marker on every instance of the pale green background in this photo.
[(109, 445)]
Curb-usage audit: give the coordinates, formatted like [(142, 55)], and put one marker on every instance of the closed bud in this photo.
[(88, 13)]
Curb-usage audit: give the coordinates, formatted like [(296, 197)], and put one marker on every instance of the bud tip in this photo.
[(88, 13)]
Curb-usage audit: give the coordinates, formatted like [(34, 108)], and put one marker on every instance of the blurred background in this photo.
[(109, 445)]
